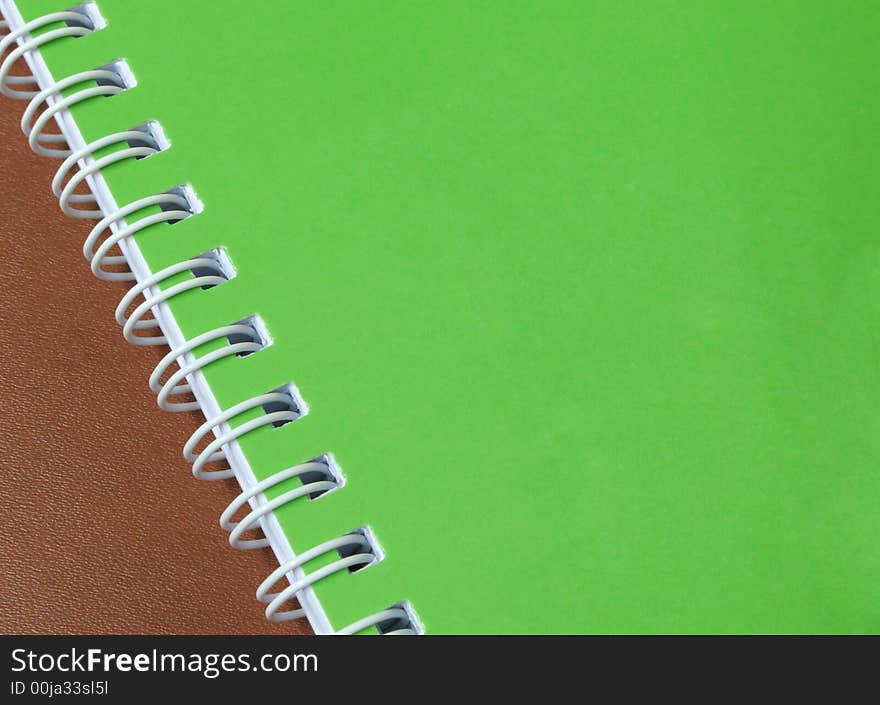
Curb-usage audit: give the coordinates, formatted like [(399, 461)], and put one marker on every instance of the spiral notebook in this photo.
[(549, 317)]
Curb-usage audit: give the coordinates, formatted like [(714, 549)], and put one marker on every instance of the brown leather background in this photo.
[(104, 529)]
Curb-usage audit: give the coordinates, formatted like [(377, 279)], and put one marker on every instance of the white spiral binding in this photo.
[(6, 81), (251, 519), (95, 167), (133, 322), (34, 132), (41, 97), (175, 208), (247, 346), (87, 151), (15, 80), (276, 599), (179, 209), (175, 385), (212, 452)]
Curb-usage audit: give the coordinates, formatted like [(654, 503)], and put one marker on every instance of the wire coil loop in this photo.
[(76, 30), (175, 385), (236, 529), (276, 599), (133, 322), (33, 125), (174, 208), (212, 452)]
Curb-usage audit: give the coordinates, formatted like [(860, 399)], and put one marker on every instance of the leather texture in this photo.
[(105, 530)]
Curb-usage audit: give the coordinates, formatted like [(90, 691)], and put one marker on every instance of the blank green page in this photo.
[(583, 297)]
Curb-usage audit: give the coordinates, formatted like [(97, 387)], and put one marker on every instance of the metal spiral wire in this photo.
[(176, 385), (212, 452), (111, 230), (274, 600), (251, 520), (82, 27), (14, 80), (134, 321), (33, 125), (64, 198), (174, 208)]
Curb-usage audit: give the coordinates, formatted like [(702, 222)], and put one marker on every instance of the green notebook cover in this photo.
[(583, 297)]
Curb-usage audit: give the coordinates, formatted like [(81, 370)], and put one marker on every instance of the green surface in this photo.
[(584, 297)]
